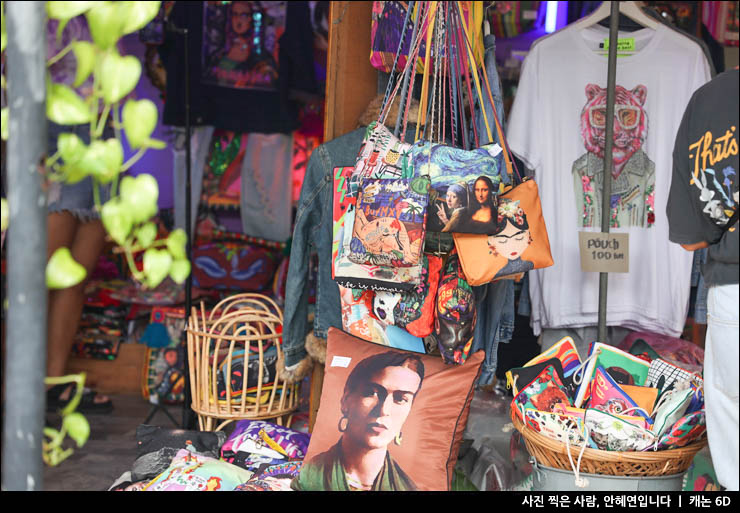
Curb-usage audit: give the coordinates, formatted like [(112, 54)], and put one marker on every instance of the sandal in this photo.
[(87, 403)]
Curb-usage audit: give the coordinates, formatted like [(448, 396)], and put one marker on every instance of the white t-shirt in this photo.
[(554, 127)]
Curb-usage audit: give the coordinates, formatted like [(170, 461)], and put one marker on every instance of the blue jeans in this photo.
[(495, 323), (75, 198)]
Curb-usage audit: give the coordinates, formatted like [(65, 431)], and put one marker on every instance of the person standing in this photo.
[(702, 213)]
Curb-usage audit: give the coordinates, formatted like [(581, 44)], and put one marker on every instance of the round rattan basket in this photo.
[(554, 454), (240, 327)]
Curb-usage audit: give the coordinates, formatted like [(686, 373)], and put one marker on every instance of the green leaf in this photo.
[(156, 266), (5, 121), (118, 76), (106, 24), (139, 121), (62, 271), (4, 214), (179, 271), (70, 147), (3, 32), (85, 54), (176, 244), (67, 10), (117, 219), (103, 160), (138, 14), (146, 234), (140, 196), (64, 106), (77, 427)]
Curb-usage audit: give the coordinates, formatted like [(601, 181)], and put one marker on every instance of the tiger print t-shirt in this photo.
[(557, 127), (704, 190)]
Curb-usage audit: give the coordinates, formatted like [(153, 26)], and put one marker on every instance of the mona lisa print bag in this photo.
[(518, 244)]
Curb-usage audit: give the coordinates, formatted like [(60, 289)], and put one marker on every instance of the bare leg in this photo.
[(65, 305)]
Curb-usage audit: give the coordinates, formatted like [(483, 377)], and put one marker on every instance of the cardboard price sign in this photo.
[(604, 252)]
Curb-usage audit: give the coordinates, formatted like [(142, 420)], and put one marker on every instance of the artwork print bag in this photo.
[(389, 223)]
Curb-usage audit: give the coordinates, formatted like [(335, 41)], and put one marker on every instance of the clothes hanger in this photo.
[(632, 10)]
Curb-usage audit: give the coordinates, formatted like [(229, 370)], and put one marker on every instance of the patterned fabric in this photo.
[(275, 478), (359, 319), (260, 437), (671, 406), (381, 155), (234, 266), (190, 472), (455, 313), (543, 393), (389, 222), (686, 430), (520, 376), (610, 433), (235, 374), (608, 396), (564, 350), (666, 376), (413, 310), (623, 367), (557, 426)]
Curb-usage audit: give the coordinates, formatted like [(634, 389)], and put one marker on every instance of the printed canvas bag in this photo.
[(610, 433), (558, 426), (455, 313), (389, 222), (543, 393), (687, 429)]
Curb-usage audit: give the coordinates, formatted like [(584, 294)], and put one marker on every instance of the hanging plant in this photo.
[(127, 215)]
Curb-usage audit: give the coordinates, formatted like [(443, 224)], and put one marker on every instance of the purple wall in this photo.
[(158, 163)]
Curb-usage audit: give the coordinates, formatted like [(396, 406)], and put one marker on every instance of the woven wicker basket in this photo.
[(243, 325), (554, 454)]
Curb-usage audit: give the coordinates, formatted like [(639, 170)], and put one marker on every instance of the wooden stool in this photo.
[(240, 327)]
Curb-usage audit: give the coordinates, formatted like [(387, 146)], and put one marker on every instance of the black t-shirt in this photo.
[(246, 60), (704, 187)]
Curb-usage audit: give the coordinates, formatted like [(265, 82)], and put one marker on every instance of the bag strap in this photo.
[(425, 80), (389, 86), (511, 168)]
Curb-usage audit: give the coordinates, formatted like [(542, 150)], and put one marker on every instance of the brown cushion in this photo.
[(431, 417)]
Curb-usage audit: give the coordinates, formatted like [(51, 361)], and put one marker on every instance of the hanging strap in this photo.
[(425, 80), (389, 86)]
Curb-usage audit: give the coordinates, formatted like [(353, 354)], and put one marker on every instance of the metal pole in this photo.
[(25, 362), (611, 82)]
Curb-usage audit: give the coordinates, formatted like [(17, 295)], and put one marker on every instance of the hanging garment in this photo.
[(557, 128), (200, 140), (267, 173)]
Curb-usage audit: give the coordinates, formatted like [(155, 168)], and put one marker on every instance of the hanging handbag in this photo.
[(519, 242)]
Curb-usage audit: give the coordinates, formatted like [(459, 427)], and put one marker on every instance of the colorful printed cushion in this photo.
[(275, 478), (626, 369), (670, 407), (687, 429), (267, 439), (411, 408), (558, 426), (608, 396), (610, 433), (190, 472), (565, 351), (543, 393)]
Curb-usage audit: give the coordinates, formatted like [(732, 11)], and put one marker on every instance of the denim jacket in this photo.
[(312, 233)]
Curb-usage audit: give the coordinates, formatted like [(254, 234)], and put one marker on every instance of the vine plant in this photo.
[(127, 215)]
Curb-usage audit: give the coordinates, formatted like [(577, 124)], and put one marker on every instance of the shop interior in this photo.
[(244, 188)]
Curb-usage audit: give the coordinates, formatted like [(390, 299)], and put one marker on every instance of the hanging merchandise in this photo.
[(511, 19), (455, 313), (557, 128), (387, 30), (245, 60)]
